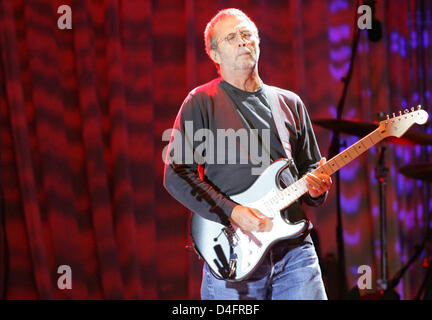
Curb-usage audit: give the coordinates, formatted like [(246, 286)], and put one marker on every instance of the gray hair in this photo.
[(209, 40)]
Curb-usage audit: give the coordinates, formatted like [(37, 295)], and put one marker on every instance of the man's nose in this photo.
[(243, 42)]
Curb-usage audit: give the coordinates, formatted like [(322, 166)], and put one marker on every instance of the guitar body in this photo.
[(233, 254)]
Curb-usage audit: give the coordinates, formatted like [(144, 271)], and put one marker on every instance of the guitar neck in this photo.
[(293, 192)]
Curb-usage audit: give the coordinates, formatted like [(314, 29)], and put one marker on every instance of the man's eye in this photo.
[(231, 36), (246, 35)]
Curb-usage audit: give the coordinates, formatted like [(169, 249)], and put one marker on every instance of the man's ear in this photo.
[(215, 56)]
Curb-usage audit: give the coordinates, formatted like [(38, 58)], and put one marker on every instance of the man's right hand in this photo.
[(249, 219)]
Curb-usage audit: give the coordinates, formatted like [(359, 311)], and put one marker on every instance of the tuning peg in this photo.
[(406, 111), (394, 115), (419, 107), (400, 113), (412, 109), (388, 117)]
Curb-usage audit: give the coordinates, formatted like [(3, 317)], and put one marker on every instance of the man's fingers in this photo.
[(250, 219), (258, 214), (322, 161), (262, 222), (318, 181), (314, 181), (317, 185)]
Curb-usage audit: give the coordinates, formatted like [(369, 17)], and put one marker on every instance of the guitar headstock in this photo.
[(397, 125)]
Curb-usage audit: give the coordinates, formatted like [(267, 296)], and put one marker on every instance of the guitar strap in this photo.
[(278, 117)]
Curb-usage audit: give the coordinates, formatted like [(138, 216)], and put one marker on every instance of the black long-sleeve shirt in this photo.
[(203, 186)]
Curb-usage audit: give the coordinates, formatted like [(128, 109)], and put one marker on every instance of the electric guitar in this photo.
[(232, 253)]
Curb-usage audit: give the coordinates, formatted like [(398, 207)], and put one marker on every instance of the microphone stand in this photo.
[(381, 175), (334, 150)]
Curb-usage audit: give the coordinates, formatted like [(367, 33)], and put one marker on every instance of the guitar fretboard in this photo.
[(287, 196)]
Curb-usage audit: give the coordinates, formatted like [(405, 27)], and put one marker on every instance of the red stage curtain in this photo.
[(82, 113)]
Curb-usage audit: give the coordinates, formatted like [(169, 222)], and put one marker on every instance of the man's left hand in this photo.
[(318, 184)]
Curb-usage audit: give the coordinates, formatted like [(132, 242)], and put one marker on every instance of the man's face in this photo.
[(237, 45)]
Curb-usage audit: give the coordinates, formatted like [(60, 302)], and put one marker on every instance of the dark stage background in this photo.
[(82, 113)]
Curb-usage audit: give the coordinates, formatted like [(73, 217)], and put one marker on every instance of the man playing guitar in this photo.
[(240, 100)]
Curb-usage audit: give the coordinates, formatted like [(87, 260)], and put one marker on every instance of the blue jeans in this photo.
[(288, 272)]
